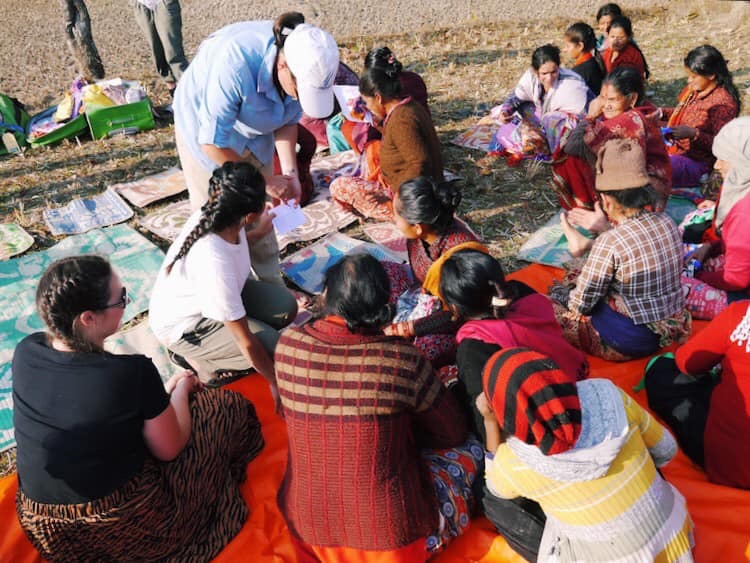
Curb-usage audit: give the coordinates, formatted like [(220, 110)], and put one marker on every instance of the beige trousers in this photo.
[(264, 254)]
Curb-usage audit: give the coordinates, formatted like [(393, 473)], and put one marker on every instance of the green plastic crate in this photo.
[(73, 128), (120, 120)]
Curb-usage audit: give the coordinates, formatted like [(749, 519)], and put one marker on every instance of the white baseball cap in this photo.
[(313, 58)]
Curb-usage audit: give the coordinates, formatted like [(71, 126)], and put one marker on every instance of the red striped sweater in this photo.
[(358, 408)]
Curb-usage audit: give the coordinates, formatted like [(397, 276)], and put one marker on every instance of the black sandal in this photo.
[(224, 376)]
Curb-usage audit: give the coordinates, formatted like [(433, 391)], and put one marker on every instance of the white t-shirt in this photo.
[(206, 283)]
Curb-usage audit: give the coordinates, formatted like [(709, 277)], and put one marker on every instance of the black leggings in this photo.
[(682, 402)]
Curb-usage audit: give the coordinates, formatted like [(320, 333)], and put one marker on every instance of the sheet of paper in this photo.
[(286, 217)]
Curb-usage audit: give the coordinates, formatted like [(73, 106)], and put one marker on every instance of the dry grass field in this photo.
[(469, 53)]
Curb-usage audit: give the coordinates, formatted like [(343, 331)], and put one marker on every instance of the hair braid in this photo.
[(204, 226)]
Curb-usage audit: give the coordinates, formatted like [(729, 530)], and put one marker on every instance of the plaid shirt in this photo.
[(640, 259)]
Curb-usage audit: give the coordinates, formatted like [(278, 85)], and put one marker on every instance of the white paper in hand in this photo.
[(287, 216)]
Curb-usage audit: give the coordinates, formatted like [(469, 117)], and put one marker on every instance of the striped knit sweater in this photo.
[(357, 409), (604, 499)]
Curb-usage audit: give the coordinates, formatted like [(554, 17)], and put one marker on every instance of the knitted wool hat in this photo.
[(621, 165), (533, 399)]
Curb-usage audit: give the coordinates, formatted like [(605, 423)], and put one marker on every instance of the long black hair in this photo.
[(381, 74), (69, 287), (707, 60), (283, 26), (583, 33), (474, 283), (624, 23), (610, 9), (357, 289), (627, 80), (234, 190), (545, 54), (423, 200)]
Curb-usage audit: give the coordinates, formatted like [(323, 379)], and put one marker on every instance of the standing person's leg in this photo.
[(196, 177), (146, 20), (168, 23)]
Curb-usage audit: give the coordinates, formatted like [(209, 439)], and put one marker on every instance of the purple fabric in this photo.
[(686, 172), (622, 334)]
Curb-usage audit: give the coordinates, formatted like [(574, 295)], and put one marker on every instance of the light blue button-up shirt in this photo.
[(227, 96)]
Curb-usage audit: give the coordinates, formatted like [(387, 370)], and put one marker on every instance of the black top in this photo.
[(592, 75), (471, 356), (79, 419)]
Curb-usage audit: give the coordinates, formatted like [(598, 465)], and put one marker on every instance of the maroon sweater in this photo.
[(358, 408)]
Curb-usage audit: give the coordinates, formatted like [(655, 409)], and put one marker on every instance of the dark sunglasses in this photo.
[(121, 303)]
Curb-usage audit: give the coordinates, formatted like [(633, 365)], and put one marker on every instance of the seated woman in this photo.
[(499, 314), (623, 50), (627, 301), (363, 137), (424, 212), (205, 307), (359, 406), (580, 46), (708, 102), (604, 16), (708, 411), (113, 465), (547, 103), (409, 147), (725, 275), (588, 454), (620, 112)]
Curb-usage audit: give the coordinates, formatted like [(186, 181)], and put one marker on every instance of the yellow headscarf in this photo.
[(432, 280)]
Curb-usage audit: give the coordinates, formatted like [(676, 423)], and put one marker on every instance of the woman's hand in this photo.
[(404, 329), (595, 221), (596, 108), (172, 382), (700, 253), (189, 384), (276, 399), (500, 115), (260, 227), (483, 406), (683, 132), (284, 187)]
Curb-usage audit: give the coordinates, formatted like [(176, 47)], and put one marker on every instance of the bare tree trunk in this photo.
[(80, 40)]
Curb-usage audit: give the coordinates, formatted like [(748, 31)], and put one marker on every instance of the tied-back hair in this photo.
[(474, 283), (634, 198), (427, 202), (284, 25), (610, 9), (624, 23), (627, 80), (545, 54), (69, 287), (234, 190), (583, 33), (381, 74), (707, 60), (357, 289)]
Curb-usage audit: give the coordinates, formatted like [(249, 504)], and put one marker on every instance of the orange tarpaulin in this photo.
[(721, 514)]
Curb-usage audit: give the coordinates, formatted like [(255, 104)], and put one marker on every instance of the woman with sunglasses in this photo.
[(114, 465)]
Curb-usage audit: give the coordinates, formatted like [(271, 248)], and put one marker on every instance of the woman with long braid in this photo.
[(206, 306)]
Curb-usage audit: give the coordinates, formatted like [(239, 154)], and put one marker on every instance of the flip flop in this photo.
[(224, 376)]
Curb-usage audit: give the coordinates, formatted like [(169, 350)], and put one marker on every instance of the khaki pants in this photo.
[(211, 345), (264, 254)]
